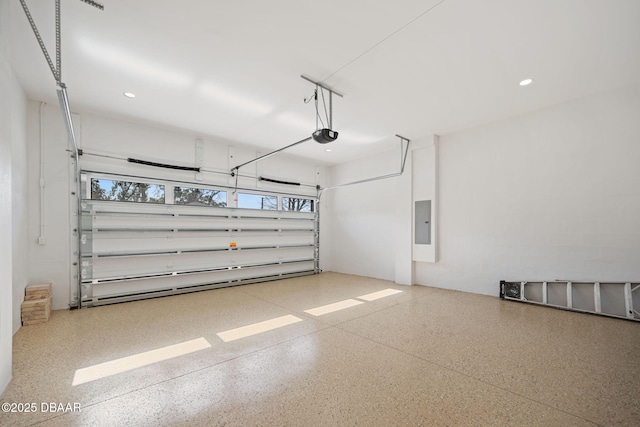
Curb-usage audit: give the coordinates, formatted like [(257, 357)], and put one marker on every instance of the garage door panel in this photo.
[(118, 243), (136, 266), (140, 250), (175, 282), (168, 222)]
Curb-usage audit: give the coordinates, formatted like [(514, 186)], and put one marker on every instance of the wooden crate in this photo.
[(37, 292), (36, 307), (36, 311)]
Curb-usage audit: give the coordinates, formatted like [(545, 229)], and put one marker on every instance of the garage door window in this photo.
[(257, 201), (200, 197), (126, 191), (296, 204)]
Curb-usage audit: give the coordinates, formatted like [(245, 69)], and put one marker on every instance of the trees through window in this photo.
[(199, 197), (295, 204), (126, 191), (142, 192), (257, 201)]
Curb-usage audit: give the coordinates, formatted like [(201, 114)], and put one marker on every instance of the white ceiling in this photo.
[(231, 69)]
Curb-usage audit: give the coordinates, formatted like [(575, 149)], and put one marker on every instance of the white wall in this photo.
[(50, 262), (549, 195), (370, 225), (19, 197), (12, 199), (424, 182), (6, 289), (123, 139), (105, 136), (364, 217)]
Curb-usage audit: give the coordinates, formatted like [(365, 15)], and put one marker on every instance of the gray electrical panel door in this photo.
[(423, 222)]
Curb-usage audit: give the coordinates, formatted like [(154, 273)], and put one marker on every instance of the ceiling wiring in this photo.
[(309, 99), (324, 104), (317, 112), (318, 116), (392, 34)]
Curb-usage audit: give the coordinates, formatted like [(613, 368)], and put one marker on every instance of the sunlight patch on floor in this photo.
[(139, 360), (380, 294), (257, 328), (330, 308)]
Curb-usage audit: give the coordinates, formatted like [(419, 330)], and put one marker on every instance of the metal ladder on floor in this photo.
[(613, 299)]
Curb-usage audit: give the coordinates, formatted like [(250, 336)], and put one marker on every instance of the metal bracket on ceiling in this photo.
[(56, 69), (322, 85), (331, 93), (93, 3)]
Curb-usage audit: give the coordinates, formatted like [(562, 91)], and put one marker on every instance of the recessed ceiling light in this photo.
[(327, 150), (526, 82), (129, 95)]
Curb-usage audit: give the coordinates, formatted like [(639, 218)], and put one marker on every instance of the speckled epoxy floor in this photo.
[(425, 356)]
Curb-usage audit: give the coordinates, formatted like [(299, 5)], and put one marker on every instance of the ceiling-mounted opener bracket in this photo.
[(331, 93)]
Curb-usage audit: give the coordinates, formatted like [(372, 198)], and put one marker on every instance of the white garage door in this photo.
[(148, 247)]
